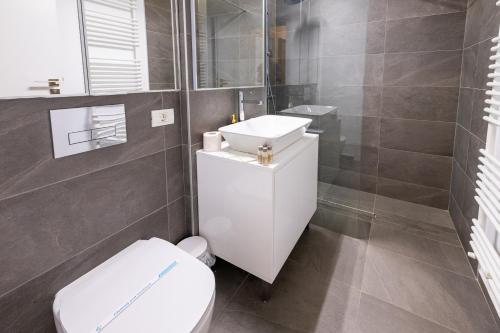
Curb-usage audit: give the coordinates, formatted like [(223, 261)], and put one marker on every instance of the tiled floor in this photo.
[(410, 275)]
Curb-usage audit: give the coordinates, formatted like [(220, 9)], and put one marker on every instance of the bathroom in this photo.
[(130, 163)]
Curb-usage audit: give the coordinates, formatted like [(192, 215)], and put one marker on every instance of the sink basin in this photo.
[(276, 131), (310, 110)]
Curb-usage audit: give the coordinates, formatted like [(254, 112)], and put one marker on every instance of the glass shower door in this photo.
[(317, 73)]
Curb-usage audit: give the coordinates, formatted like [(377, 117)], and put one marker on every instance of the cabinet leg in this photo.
[(265, 291)]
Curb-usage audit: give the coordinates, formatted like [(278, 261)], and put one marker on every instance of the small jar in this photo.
[(259, 154), (265, 156), (269, 154)]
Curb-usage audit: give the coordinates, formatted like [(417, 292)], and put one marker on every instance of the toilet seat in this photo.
[(176, 302)]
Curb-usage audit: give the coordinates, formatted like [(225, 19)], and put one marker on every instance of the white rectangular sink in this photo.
[(276, 131)]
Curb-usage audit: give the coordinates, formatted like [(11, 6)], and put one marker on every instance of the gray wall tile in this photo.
[(343, 12), (361, 159), (418, 136), (469, 62), (461, 146), (361, 131), (423, 169), (441, 68), (349, 179), (173, 132), (210, 110), (457, 185), (158, 18), (175, 174), (351, 70), (464, 111), (353, 100), (161, 70), (430, 33), (475, 65), (424, 195), (187, 179), (160, 45), (46, 227), (482, 21), (413, 8), (183, 101), (421, 103), (362, 38), (177, 220)]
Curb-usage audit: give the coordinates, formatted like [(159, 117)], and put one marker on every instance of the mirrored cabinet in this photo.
[(79, 47), (228, 46)]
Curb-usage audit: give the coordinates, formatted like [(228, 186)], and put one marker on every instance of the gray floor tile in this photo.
[(403, 288), (413, 211), (332, 255), (429, 230), (427, 250), (227, 280), (302, 299), (346, 196), (342, 220), (241, 322), (376, 316), (438, 295)]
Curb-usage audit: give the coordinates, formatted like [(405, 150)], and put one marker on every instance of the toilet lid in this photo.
[(151, 286)]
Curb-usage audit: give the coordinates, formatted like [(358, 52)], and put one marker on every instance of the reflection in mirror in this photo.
[(77, 47), (229, 43), (41, 48), (131, 45)]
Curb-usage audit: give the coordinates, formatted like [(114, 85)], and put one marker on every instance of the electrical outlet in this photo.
[(162, 117)]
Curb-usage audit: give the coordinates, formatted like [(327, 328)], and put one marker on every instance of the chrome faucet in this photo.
[(242, 101)]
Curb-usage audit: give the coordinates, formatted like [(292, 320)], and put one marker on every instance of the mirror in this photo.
[(81, 47), (228, 46)]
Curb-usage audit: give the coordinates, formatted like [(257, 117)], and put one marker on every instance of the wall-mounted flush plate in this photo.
[(162, 117), (83, 129)]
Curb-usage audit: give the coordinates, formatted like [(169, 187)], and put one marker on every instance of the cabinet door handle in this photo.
[(54, 85)]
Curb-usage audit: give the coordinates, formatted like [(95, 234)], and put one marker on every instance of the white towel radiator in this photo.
[(485, 235), (116, 48)]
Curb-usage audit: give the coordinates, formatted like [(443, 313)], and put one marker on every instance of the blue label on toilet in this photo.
[(137, 295)]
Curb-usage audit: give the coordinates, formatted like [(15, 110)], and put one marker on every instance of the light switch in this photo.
[(162, 117)]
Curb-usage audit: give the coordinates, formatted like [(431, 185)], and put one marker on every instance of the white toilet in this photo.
[(151, 286)]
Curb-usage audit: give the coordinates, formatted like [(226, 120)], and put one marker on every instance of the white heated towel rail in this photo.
[(116, 45), (485, 235)]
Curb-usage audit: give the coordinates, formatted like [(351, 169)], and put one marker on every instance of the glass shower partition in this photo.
[(315, 72)]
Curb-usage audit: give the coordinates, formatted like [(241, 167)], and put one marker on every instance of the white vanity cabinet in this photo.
[(252, 215)]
